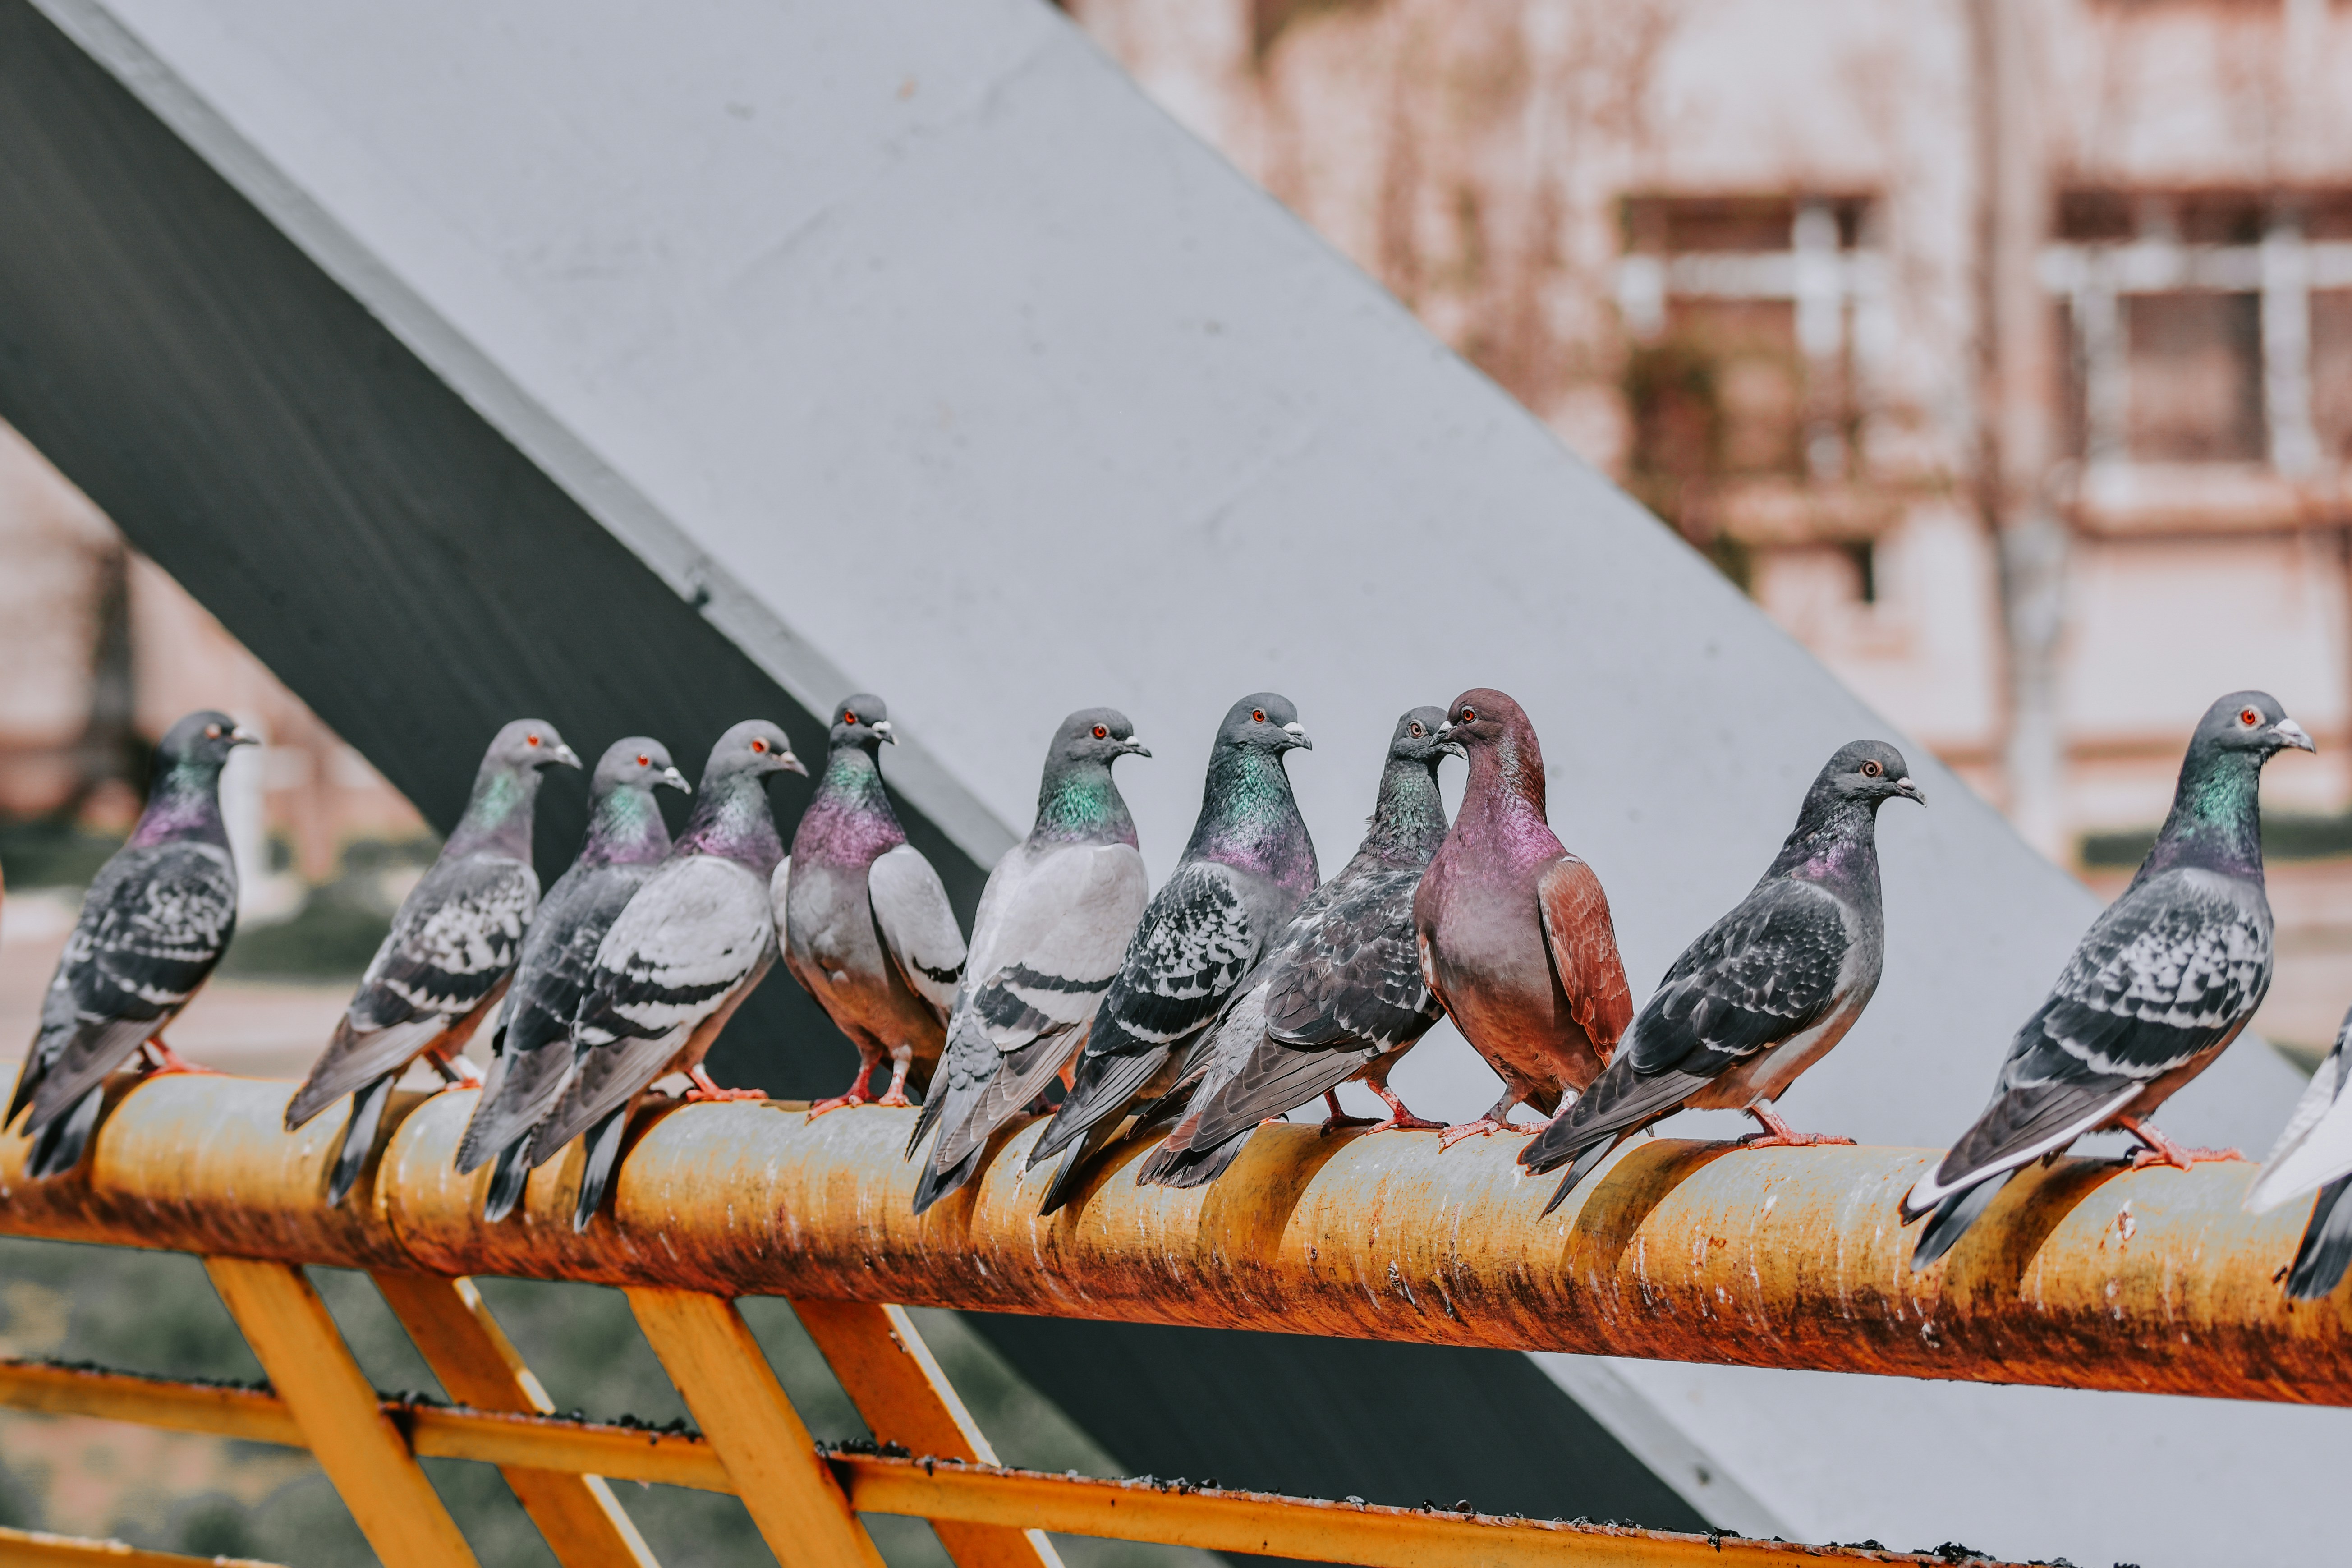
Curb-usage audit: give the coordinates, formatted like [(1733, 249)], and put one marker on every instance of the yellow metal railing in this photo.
[(2083, 1275)]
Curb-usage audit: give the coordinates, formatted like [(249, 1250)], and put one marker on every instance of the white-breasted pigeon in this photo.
[(685, 951), (1052, 925), (2315, 1152)]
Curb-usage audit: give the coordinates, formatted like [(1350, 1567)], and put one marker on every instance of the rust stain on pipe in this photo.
[(2081, 1275)]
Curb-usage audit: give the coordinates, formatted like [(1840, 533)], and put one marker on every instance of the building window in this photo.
[(2207, 327), (1742, 316)]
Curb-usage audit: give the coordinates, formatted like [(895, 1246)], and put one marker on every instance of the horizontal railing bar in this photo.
[(2081, 1275), (31, 1548), (921, 1488)]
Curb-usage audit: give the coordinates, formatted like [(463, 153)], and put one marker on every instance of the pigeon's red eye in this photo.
[(644, 761), (1102, 733), (1871, 769), (759, 745), (1416, 732), (534, 739), (1469, 715), (1258, 714), (847, 717), (2248, 716)]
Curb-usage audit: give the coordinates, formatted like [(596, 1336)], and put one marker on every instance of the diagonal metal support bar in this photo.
[(732, 1393), (37, 1549), (333, 1402), (478, 1366), (899, 1386)]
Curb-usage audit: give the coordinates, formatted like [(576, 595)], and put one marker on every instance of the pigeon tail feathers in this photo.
[(2327, 1249), (58, 1148), (508, 1180), (358, 1137), (604, 1146), (1953, 1216)]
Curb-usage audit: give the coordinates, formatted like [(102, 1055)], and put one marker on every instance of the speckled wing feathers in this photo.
[(151, 928), (1763, 973), (1195, 944)]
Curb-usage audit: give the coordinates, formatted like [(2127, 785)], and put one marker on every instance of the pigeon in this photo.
[(1764, 993), (1342, 996), (685, 951), (626, 839), (448, 956), (1248, 865), (1053, 922), (157, 919), (865, 920), (2315, 1150), (1515, 940), (2166, 978)]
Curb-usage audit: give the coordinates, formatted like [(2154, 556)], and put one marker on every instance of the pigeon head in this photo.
[(624, 825), (1864, 773), (184, 798), (1418, 738), (751, 750), (862, 721), (1264, 722), (201, 741), (2216, 817), (731, 815), (1076, 800), (635, 761), (528, 745), (2248, 724), (1505, 758)]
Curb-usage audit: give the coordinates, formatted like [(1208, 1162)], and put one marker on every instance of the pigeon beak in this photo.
[(1297, 735), (2291, 733), (1910, 791), (675, 781), (564, 754), (1452, 747), (882, 727), (240, 736), (790, 764), (1131, 747)]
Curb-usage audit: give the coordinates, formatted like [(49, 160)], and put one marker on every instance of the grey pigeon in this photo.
[(1342, 997), (155, 921), (1516, 938), (2315, 1150), (449, 954), (1053, 922), (2165, 978), (678, 962), (865, 920), (626, 839), (1248, 865), (1764, 993)]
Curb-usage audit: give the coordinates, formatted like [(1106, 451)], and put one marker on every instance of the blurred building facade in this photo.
[(2003, 350)]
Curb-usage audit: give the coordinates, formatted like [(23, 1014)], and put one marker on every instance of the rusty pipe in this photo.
[(2083, 1275)]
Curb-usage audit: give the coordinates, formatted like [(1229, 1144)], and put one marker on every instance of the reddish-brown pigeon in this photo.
[(1514, 930)]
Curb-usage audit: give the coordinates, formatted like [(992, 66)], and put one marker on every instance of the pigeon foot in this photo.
[(705, 1089), (1401, 1120), (859, 1093), (169, 1061), (1339, 1120), (1482, 1127), (2161, 1150), (1779, 1134), (896, 1095)]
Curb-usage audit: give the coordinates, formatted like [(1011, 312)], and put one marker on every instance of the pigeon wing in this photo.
[(1194, 946), (1058, 944), (151, 930), (697, 933), (918, 926), (1583, 942), (2169, 972), (1350, 972), (2317, 1146)]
